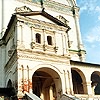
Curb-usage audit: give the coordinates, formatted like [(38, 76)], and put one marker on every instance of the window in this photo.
[(38, 38), (49, 40)]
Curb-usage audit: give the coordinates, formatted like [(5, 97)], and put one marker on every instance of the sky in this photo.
[(90, 28)]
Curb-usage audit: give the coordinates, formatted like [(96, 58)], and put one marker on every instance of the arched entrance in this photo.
[(78, 79), (46, 84), (95, 78)]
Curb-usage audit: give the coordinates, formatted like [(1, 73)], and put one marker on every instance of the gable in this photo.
[(42, 18), (40, 15)]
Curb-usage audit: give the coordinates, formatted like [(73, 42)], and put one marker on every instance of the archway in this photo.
[(95, 78), (46, 84), (78, 79)]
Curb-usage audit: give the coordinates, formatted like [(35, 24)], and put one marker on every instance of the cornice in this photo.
[(43, 56), (51, 5), (40, 24), (84, 64), (71, 50)]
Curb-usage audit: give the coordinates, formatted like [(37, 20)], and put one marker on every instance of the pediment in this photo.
[(40, 15), (42, 18)]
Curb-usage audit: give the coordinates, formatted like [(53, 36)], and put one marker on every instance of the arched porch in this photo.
[(95, 78), (79, 81), (46, 84)]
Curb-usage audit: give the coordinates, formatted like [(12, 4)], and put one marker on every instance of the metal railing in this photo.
[(68, 97), (31, 96)]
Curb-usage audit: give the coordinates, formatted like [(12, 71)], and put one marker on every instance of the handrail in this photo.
[(69, 97), (31, 96)]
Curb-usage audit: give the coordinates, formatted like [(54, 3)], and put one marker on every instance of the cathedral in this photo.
[(42, 56)]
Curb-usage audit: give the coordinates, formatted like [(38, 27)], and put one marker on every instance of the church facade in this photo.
[(42, 54)]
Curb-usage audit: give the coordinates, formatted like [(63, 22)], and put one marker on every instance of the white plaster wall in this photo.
[(35, 64), (9, 10), (71, 23)]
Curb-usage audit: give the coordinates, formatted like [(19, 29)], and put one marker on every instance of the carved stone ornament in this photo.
[(23, 9), (44, 47), (62, 19), (10, 52), (56, 48), (32, 45)]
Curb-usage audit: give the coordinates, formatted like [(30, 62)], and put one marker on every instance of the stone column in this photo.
[(32, 38), (51, 92), (20, 82), (89, 89), (20, 27), (78, 34), (68, 83), (44, 41), (30, 80)]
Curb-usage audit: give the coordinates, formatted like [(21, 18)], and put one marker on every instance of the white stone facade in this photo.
[(42, 52)]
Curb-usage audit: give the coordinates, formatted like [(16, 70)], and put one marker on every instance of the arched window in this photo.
[(49, 40), (38, 38)]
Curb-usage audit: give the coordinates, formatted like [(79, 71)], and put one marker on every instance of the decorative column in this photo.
[(69, 82), (30, 74), (20, 34), (55, 47), (44, 41), (32, 38), (62, 44), (89, 89), (28, 78), (78, 33), (20, 82), (51, 93)]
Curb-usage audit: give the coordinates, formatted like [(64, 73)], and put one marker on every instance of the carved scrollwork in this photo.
[(56, 48), (32, 45), (44, 47), (62, 19), (23, 9)]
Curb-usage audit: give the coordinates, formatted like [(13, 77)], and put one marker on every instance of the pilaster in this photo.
[(75, 11)]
